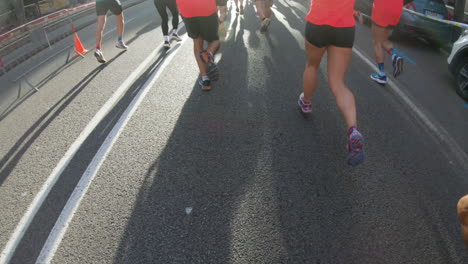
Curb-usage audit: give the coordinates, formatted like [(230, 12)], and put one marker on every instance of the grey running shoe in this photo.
[(121, 45), (99, 56)]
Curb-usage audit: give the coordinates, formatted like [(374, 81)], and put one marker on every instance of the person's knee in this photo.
[(337, 85), (311, 67)]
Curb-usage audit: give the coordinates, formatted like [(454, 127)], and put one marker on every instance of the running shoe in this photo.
[(355, 147), (381, 79), (212, 70), (99, 56), (167, 45), (121, 45), (175, 37), (306, 108), (264, 25), (205, 85), (397, 63), (241, 9)]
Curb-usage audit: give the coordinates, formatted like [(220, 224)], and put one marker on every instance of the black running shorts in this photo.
[(206, 27), (104, 5), (325, 35)]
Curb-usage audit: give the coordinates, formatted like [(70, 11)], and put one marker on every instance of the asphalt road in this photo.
[(235, 175)]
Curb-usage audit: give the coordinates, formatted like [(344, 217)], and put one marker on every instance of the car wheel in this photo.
[(462, 80)]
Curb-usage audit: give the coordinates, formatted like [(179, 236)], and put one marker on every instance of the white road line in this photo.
[(436, 129), (61, 226), (31, 211)]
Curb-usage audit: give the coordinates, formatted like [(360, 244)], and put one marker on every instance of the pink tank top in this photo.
[(335, 13)]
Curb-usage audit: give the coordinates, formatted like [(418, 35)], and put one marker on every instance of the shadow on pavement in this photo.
[(245, 179), (13, 156), (16, 103), (209, 157), (146, 29), (48, 214)]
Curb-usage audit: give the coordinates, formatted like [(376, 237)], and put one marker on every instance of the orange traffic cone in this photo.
[(80, 50)]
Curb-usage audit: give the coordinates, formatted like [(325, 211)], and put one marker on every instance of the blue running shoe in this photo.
[(397, 63), (381, 79), (355, 147), (306, 108)]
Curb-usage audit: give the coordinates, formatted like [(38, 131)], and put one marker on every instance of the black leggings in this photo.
[(161, 7)]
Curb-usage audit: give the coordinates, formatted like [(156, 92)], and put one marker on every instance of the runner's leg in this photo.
[(338, 61), (260, 5), (213, 46), (161, 7), (380, 37), (197, 48), (175, 15), (314, 56), (267, 6), (101, 23), (387, 44)]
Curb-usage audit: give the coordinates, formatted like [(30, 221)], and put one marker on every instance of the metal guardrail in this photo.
[(41, 22), (34, 43)]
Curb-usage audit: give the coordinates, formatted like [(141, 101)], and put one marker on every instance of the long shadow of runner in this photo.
[(306, 166), (36, 235), (13, 156), (208, 159)]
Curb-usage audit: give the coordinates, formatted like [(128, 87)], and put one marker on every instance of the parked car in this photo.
[(439, 33), (458, 64)]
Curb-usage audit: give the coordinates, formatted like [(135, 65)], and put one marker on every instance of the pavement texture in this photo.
[(238, 174)]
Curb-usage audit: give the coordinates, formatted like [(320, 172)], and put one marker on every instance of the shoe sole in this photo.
[(205, 88), (99, 59), (119, 47), (398, 67), (378, 80)]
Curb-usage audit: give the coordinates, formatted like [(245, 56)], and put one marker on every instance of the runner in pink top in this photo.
[(330, 28), (385, 17)]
